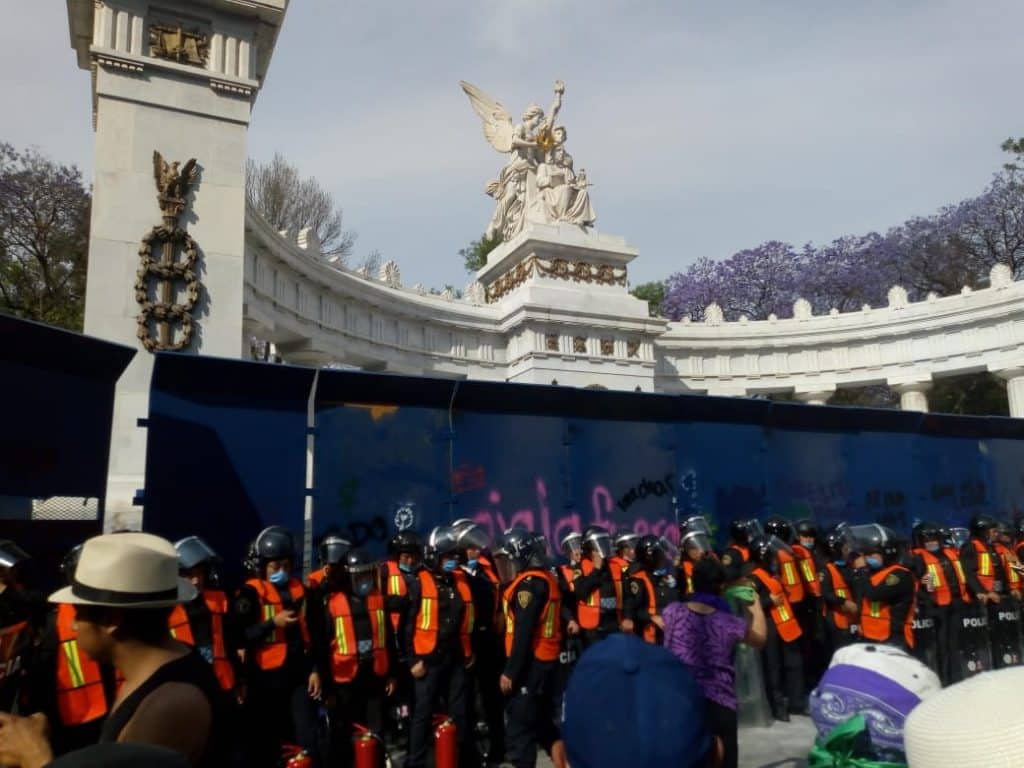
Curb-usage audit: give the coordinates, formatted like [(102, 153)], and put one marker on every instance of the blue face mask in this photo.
[(364, 588), (874, 562), (932, 546), (472, 564), (660, 571), (279, 577), (840, 563), (405, 568), (450, 565)]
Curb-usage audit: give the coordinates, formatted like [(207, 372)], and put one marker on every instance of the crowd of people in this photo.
[(457, 649)]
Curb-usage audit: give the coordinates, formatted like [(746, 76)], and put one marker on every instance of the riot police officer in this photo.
[(530, 602), (332, 549), (651, 586), (781, 656), (839, 605), (884, 586), (695, 543), (598, 588), (353, 647), (939, 600), (436, 647), (736, 556), (282, 684)]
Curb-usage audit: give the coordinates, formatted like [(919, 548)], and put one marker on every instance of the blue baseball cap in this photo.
[(633, 703)]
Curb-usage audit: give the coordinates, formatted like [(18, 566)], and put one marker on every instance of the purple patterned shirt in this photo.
[(704, 643)]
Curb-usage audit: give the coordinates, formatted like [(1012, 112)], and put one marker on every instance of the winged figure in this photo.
[(172, 183), (533, 143)]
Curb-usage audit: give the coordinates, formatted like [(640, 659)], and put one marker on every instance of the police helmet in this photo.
[(959, 537), (513, 552), (696, 541), (670, 549), (1005, 531), (626, 540), (980, 525), (806, 528), (836, 542), (194, 551), (572, 543), (777, 525), (925, 531), (470, 535), (11, 555), (441, 545), (764, 551), (694, 524), (597, 539), (362, 571), (333, 549), (69, 563), (649, 552), (406, 542), (744, 531), (275, 543), (874, 538)]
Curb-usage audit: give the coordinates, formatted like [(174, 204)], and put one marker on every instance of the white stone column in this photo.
[(144, 103), (1014, 378), (913, 396), (820, 397)]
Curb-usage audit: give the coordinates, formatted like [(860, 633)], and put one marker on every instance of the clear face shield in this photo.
[(601, 544), (671, 550), (473, 536), (363, 580), (755, 529), (572, 548), (695, 524), (696, 546), (506, 568)]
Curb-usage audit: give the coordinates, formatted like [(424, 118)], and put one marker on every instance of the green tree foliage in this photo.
[(474, 255), (653, 293), (44, 238)]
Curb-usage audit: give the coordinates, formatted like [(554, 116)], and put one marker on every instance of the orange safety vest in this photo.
[(395, 586), (424, 636), (547, 635), (488, 568), (941, 589), (568, 573), (217, 604), (782, 615), (954, 557), (316, 578), (986, 566), (808, 570), (345, 643), (650, 631), (840, 587), (790, 577), (81, 697), (272, 654), (617, 567), (744, 552), (468, 614), (688, 575), (588, 610), (1013, 581), (876, 618)]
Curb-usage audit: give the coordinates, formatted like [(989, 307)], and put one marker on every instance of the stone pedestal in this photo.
[(563, 297), (179, 78), (913, 396)]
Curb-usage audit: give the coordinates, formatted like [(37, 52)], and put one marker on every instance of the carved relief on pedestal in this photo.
[(161, 269), (633, 348), (607, 347), (579, 345), (551, 342), (556, 269), (172, 40)]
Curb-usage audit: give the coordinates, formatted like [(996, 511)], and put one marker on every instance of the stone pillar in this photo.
[(166, 88), (820, 397), (913, 396), (1014, 378)]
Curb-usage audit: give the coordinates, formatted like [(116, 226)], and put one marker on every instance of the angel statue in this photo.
[(172, 184), (533, 185)]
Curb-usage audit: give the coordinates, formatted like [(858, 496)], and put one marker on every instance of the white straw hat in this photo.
[(978, 723), (127, 570)]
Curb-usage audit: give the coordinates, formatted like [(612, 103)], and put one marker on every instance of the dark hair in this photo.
[(709, 576), (144, 625)]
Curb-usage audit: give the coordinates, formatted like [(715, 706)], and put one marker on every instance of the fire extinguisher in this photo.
[(293, 756), (446, 749), (367, 748)]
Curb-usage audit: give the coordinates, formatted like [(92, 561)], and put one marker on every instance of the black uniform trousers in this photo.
[(529, 715), (590, 636), (278, 711), (361, 700), (443, 689), (783, 671), (484, 674)]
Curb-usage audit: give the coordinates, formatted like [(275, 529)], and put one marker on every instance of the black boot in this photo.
[(780, 709)]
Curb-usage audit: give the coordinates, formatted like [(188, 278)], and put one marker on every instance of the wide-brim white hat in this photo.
[(978, 723), (126, 570)]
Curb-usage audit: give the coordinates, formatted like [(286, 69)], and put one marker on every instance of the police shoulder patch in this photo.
[(726, 559), (891, 580), (576, 573), (635, 587), (524, 596), (821, 575)]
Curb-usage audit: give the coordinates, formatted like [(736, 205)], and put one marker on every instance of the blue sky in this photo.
[(705, 127)]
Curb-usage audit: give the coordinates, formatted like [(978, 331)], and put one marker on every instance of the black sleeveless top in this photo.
[(191, 669)]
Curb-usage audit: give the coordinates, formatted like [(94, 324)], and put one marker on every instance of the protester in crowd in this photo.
[(123, 589), (630, 703), (703, 633)]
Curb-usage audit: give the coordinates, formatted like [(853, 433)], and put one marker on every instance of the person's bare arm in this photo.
[(757, 627), (176, 716)]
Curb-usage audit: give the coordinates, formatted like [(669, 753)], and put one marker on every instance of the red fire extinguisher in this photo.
[(293, 756), (446, 749), (367, 748)]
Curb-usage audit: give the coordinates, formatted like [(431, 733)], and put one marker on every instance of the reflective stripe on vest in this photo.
[(839, 586), (345, 643), (1007, 557), (81, 697), (958, 568), (940, 585), (395, 586), (782, 614), (424, 638), (876, 616), (688, 573), (805, 559), (986, 571), (273, 652), (547, 635), (791, 580)]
